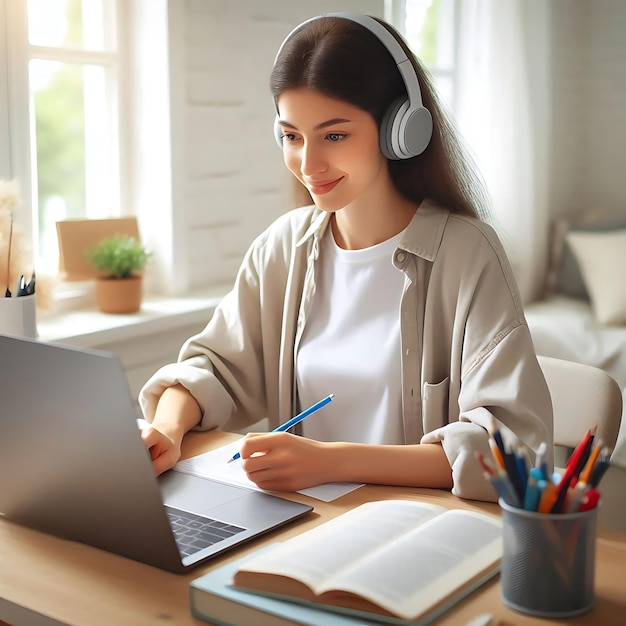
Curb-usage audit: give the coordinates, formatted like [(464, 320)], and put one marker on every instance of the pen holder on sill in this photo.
[(18, 316), (548, 561)]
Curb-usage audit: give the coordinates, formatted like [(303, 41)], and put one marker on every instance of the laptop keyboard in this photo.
[(195, 532)]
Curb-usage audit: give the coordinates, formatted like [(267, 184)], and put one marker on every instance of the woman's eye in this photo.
[(288, 136), (335, 136)]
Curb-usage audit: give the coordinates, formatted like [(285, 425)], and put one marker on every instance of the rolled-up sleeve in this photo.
[(221, 366), (196, 375), (506, 390)]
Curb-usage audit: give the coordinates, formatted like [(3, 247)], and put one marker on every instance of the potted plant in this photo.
[(121, 259)]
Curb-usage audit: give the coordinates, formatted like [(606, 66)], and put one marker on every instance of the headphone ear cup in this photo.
[(415, 131), (388, 146), (278, 133), (396, 130)]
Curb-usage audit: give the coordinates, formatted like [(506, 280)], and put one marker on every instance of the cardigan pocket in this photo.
[(435, 404)]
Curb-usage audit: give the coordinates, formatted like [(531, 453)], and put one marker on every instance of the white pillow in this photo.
[(602, 260)]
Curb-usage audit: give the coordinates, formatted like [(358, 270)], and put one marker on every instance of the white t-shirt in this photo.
[(351, 346)]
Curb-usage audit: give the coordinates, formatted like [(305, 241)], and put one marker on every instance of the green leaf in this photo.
[(119, 256)]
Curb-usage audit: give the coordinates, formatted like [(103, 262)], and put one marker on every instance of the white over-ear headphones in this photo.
[(407, 125)]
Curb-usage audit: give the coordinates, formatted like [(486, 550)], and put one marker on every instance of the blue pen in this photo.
[(295, 420), (522, 471), (499, 442), (540, 460), (534, 487), (513, 473), (504, 488)]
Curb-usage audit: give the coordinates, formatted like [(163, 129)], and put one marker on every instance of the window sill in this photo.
[(91, 328)]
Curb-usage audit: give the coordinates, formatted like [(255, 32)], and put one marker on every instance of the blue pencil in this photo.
[(295, 420)]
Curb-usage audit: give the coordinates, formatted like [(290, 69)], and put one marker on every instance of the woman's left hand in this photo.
[(285, 462)]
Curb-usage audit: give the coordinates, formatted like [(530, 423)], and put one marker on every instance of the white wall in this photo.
[(607, 105), (229, 181), (588, 67)]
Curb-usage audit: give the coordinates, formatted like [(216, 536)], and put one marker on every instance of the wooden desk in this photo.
[(45, 580)]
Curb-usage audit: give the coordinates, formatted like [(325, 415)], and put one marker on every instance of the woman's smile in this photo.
[(322, 187)]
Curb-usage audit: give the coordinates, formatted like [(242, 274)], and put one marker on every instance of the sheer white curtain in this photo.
[(502, 109)]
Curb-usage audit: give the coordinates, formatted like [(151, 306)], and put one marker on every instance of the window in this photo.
[(429, 28), (64, 61)]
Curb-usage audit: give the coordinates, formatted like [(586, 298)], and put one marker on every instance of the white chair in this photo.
[(583, 397)]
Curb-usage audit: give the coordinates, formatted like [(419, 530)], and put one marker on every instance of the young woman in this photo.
[(389, 291)]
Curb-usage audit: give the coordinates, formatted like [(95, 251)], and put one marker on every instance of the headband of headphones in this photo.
[(407, 125)]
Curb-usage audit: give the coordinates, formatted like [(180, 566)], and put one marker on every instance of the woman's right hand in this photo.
[(177, 412), (164, 450)]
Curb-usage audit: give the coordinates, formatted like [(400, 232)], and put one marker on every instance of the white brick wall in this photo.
[(232, 182)]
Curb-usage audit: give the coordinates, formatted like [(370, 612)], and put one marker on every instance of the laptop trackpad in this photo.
[(198, 495)]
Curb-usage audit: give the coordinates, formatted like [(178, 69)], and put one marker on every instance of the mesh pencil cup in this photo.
[(548, 561)]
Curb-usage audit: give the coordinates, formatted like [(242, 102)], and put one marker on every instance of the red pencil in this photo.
[(485, 465), (573, 467)]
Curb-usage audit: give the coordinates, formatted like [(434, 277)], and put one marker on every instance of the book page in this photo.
[(320, 554), (405, 557), (418, 570)]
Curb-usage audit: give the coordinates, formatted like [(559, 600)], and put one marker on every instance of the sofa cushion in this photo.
[(601, 257), (564, 275)]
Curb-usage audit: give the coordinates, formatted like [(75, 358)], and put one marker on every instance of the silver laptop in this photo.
[(72, 464)]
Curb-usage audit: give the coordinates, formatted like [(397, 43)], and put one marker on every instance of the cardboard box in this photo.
[(77, 236)]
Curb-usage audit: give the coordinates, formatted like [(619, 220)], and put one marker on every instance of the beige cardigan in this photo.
[(467, 354)]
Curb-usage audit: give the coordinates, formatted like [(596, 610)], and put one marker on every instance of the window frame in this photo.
[(18, 157), (395, 11)]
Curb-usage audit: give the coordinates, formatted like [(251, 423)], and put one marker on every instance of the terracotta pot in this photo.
[(119, 295)]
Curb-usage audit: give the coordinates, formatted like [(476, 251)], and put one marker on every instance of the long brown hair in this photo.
[(344, 60)]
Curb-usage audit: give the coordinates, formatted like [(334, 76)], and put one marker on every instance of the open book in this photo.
[(396, 558)]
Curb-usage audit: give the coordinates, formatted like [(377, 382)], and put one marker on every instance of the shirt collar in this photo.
[(422, 237), (317, 227), (425, 231)]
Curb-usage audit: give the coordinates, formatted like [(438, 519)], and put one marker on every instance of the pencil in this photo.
[(601, 466), (295, 420), (548, 498), (585, 475), (495, 452), (573, 467), (504, 488), (487, 468)]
